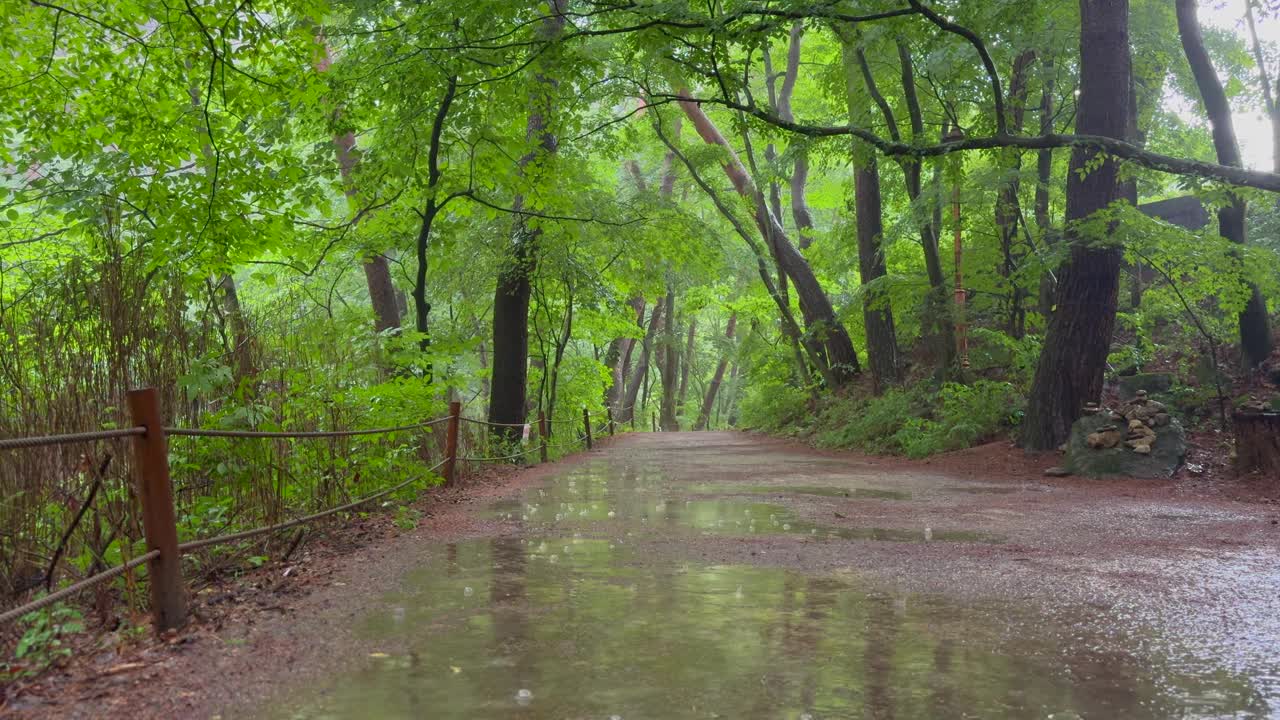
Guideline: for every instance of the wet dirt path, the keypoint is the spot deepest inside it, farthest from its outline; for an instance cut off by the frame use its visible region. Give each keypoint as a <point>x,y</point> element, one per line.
<point>723,576</point>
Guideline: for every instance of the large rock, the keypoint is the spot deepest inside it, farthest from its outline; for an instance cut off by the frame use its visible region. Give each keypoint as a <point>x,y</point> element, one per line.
<point>1095,460</point>
<point>1153,383</point>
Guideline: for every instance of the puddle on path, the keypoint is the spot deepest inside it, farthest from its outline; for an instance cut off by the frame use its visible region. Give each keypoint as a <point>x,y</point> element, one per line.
<point>858,493</point>
<point>641,501</point>
<point>569,621</point>
<point>573,628</point>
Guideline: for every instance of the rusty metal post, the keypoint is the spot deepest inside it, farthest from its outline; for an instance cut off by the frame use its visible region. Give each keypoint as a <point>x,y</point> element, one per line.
<point>451,443</point>
<point>159,519</point>
<point>586,423</point>
<point>608,412</point>
<point>542,434</point>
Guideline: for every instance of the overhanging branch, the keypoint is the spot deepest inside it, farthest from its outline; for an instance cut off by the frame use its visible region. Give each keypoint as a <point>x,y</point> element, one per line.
<point>1239,177</point>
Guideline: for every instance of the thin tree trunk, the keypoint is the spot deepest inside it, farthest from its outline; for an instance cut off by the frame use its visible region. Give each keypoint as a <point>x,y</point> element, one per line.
<point>422,308</point>
<point>1071,366</point>
<point>511,298</point>
<point>936,323</point>
<point>1008,212</point>
<point>670,367</point>
<point>1044,175</point>
<point>882,338</point>
<point>627,411</point>
<point>622,371</point>
<point>1255,331</point>
<point>709,401</point>
<point>686,364</point>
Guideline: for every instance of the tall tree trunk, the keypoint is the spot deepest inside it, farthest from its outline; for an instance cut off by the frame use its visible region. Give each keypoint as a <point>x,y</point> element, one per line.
<point>882,338</point>
<point>422,308</point>
<point>1044,175</point>
<point>709,401</point>
<point>1007,210</point>
<point>1255,331</point>
<point>686,363</point>
<point>820,317</point>
<point>1071,366</point>
<point>670,367</point>
<point>628,409</point>
<point>511,299</point>
<point>936,325</point>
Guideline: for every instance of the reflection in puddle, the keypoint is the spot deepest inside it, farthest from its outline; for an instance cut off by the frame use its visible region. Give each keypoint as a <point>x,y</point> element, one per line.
<point>569,620</point>
<point>720,517</point>
<point>863,493</point>
<point>574,628</point>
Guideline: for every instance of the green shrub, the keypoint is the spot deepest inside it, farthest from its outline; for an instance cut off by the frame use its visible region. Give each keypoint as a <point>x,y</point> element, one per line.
<point>775,408</point>
<point>869,425</point>
<point>963,416</point>
<point>920,421</point>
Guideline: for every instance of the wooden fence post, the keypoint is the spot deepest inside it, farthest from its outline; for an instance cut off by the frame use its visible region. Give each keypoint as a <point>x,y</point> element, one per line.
<point>653,420</point>
<point>451,443</point>
<point>586,422</point>
<point>608,411</point>
<point>159,520</point>
<point>542,434</point>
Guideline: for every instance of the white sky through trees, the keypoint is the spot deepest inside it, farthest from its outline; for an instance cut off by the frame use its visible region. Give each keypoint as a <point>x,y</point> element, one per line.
<point>1253,129</point>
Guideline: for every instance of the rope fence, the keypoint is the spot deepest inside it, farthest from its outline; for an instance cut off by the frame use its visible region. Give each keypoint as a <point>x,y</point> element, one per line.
<point>72,438</point>
<point>76,588</point>
<point>156,503</point>
<point>200,432</point>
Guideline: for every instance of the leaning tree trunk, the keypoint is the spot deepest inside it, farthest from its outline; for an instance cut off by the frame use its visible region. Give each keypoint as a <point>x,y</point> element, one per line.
<point>377,270</point>
<point>820,317</point>
<point>622,370</point>
<point>709,401</point>
<point>1074,357</point>
<point>511,298</point>
<point>628,410</point>
<point>1255,332</point>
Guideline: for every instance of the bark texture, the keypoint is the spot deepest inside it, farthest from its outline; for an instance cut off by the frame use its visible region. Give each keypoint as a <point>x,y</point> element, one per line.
<point>1071,365</point>
<point>511,298</point>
